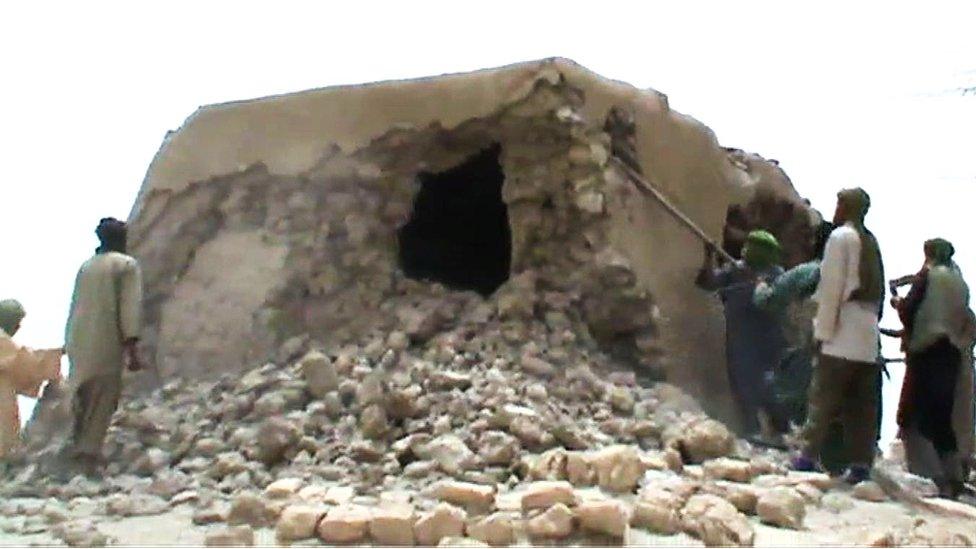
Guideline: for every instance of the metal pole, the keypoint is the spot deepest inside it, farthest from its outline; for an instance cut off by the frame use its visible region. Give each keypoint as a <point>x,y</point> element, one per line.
<point>645,186</point>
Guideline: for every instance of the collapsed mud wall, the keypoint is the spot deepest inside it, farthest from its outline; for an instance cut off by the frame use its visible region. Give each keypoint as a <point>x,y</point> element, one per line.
<point>265,220</point>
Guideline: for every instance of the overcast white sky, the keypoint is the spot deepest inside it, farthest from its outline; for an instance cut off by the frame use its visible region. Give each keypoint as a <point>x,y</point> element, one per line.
<point>841,93</point>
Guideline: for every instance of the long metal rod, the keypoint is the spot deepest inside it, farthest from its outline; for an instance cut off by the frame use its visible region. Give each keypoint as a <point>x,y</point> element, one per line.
<point>647,187</point>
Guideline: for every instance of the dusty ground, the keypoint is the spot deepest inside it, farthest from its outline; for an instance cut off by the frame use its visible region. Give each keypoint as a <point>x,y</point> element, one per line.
<point>475,421</point>
<point>863,522</point>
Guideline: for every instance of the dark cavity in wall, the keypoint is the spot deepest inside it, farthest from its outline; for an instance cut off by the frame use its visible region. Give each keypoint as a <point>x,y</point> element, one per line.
<point>458,233</point>
<point>788,222</point>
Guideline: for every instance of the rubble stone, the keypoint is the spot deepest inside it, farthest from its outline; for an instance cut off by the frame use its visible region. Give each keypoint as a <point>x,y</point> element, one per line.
<point>231,536</point>
<point>446,380</point>
<point>743,496</point>
<point>530,432</point>
<point>820,481</point>
<point>700,440</point>
<point>283,488</point>
<point>618,468</point>
<point>622,400</point>
<point>837,503</point>
<point>735,470</point>
<point>187,496</point>
<point>716,522</point>
<point>338,495</point>
<point>319,374</point>
<point>275,436</point>
<point>443,522</point>
<point>537,391</point>
<point>545,494</point>
<point>658,511</point>
<point>609,517</point>
<point>579,471</point>
<point>344,524</point>
<point>783,507</point>
<point>332,405</point>
<point>298,522</point>
<point>495,530</point>
<point>456,541</point>
<point>550,465</point>
<point>498,448</point>
<point>134,505</point>
<point>211,514</point>
<point>154,460</point>
<point>537,366</point>
<point>393,525</point>
<point>249,509</point>
<point>810,493</point>
<point>373,422</point>
<point>370,391</point>
<point>451,454</point>
<point>877,537</point>
<point>869,491</point>
<point>80,534</point>
<point>557,522</point>
<point>419,469</point>
<point>956,509</point>
<point>228,463</point>
<point>913,484</point>
<point>475,497</point>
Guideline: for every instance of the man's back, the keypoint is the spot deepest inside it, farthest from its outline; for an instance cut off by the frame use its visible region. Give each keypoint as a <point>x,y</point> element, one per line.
<point>105,310</point>
<point>944,310</point>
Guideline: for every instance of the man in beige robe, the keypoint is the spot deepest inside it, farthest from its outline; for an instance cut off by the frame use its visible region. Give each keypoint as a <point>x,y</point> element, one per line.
<point>22,371</point>
<point>101,337</point>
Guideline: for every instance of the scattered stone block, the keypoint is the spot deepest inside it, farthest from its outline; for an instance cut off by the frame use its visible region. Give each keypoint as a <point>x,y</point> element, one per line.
<point>443,522</point>
<point>557,522</point>
<point>783,507</point>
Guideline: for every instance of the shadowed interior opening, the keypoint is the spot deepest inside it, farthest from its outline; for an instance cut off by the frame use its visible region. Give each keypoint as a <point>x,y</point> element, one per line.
<point>458,234</point>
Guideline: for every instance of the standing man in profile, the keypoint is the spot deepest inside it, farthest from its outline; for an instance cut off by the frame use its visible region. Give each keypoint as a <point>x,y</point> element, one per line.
<point>844,385</point>
<point>101,338</point>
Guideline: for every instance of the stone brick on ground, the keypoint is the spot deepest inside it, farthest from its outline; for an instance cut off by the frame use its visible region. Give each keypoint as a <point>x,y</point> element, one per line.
<point>443,522</point>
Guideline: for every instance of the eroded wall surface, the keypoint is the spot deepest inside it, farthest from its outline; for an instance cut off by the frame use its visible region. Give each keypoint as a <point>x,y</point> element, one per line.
<point>278,217</point>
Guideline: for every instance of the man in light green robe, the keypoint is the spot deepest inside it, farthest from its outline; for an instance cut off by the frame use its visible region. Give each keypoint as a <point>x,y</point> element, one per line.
<point>937,308</point>
<point>101,337</point>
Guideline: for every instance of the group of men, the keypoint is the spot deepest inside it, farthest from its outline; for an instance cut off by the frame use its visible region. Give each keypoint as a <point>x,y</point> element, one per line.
<point>803,349</point>
<point>100,341</point>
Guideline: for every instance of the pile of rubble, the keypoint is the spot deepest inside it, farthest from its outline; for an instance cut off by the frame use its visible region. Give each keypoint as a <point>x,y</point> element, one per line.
<point>477,421</point>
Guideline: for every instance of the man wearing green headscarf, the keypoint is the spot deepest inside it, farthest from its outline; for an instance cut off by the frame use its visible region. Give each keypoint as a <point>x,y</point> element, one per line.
<point>935,413</point>
<point>844,385</point>
<point>22,371</point>
<point>754,341</point>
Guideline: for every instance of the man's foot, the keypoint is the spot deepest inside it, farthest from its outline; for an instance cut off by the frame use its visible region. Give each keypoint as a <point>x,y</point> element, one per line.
<point>89,465</point>
<point>857,474</point>
<point>950,489</point>
<point>803,463</point>
<point>768,441</point>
